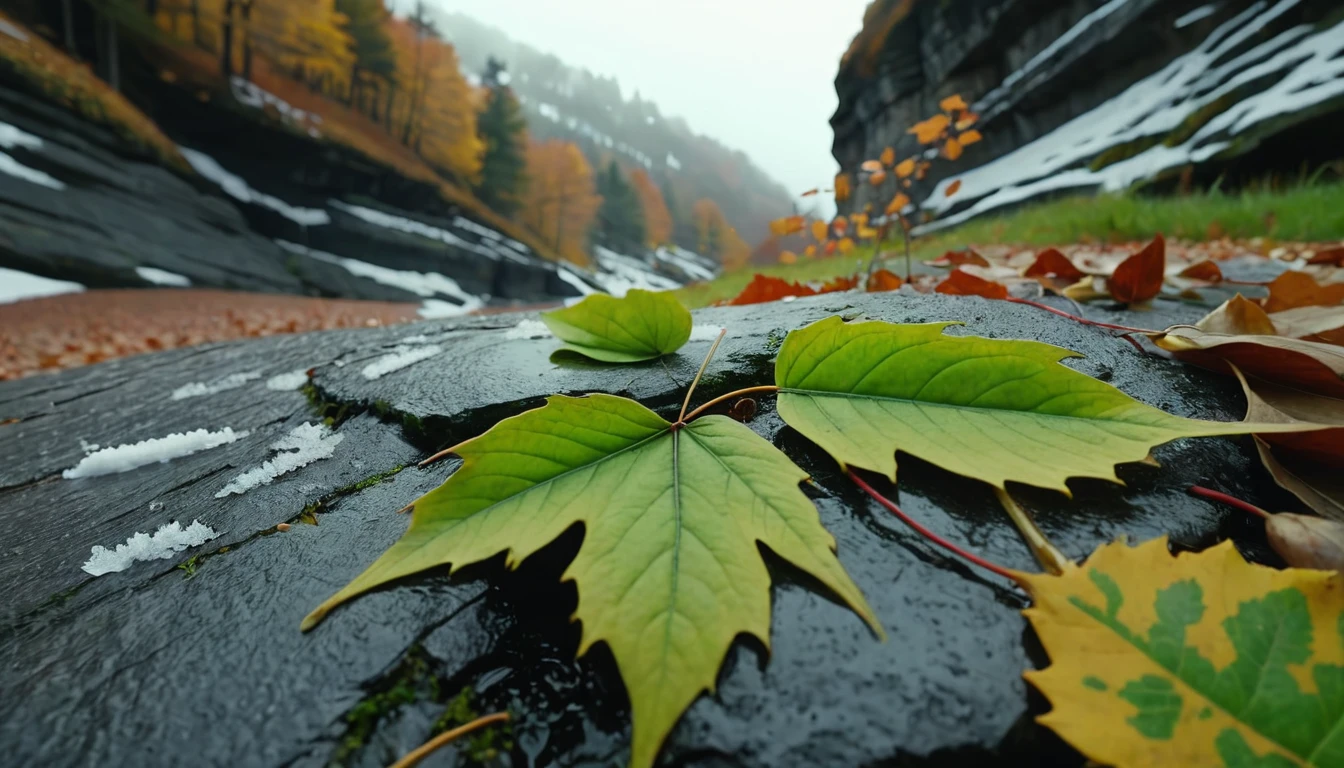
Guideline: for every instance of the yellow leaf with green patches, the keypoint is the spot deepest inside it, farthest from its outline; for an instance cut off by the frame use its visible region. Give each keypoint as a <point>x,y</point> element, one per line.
<point>989,409</point>
<point>1192,660</point>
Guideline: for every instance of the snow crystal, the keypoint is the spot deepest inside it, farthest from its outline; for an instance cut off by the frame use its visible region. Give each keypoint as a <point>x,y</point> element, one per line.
<point>1198,14</point>
<point>201,389</point>
<point>419,283</point>
<point>239,189</point>
<point>287,382</point>
<point>163,277</point>
<point>166,542</point>
<point>304,445</point>
<point>705,332</point>
<point>528,329</point>
<point>413,227</point>
<point>17,286</point>
<point>123,458</point>
<point>401,356</point>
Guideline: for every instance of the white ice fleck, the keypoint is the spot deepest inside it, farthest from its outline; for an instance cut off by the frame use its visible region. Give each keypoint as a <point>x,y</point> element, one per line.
<point>287,382</point>
<point>1198,14</point>
<point>163,277</point>
<point>11,137</point>
<point>705,332</point>
<point>419,338</point>
<point>201,389</point>
<point>167,541</point>
<point>400,357</point>
<point>420,283</point>
<point>239,189</point>
<point>123,458</point>
<point>528,329</point>
<point>302,446</point>
<point>413,227</point>
<point>435,309</point>
<point>13,31</point>
<point>9,165</point>
<point>17,286</point>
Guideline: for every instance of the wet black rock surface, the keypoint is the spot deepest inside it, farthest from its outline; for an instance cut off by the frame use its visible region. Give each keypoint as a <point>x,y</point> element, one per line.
<point>159,664</point>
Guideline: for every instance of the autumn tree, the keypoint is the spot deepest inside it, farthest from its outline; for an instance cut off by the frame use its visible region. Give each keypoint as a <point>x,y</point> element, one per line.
<point>716,238</point>
<point>307,39</point>
<point>657,217</point>
<point>561,201</point>
<point>438,119</point>
<point>503,133</point>
<point>620,220</point>
<point>375,60</point>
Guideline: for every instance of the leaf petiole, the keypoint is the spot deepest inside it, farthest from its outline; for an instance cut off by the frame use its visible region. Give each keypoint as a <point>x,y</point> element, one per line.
<point>1047,554</point>
<point>414,757</point>
<point>1076,318</point>
<point>731,395</point>
<point>1233,501</point>
<point>930,535</point>
<point>703,365</point>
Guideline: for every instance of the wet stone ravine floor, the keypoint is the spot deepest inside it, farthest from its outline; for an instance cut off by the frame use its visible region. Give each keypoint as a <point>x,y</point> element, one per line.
<point>199,658</point>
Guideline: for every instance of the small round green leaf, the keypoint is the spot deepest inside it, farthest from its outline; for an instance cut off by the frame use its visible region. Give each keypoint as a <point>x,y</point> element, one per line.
<point>641,326</point>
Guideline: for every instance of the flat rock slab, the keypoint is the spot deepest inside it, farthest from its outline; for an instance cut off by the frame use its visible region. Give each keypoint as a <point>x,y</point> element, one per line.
<point>158,662</point>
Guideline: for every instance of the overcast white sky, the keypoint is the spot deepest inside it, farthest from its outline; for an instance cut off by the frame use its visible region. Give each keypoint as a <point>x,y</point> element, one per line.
<point>755,74</point>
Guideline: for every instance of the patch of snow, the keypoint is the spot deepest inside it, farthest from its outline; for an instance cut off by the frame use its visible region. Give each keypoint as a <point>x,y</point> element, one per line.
<point>504,78</point>
<point>528,329</point>
<point>549,112</point>
<point>17,286</point>
<point>619,273</point>
<point>472,226</point>
<point>687,261</point>
<point>12,167</point>
<point>1198,14</point>
<point>12,136</point>
<point>569,275</point>
<point>201,389</point>
<point>1308,69</point>
<point>425,284</point>
<point>160,450</point>
<point>413,227</point>
<point>419,338</point>
<point>288,382</point>
<point>304,445</point>
<point>170,539</point>
<point>401,356</point>
<point>673,162</point>
<point>239,189</point>
<point>163,277</point>
<point>13,31</point>
<point>705,332</point>
<point>252,95</point>
<point>437,309</point>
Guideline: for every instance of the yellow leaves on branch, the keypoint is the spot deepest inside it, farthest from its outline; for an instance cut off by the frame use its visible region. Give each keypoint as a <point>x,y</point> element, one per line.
<point>888,157</point>
<point>931,130</point>
<point>657,218</point>
<point>905,168</point>
<point>953,104</point>
<point>952,149</point>
<point>789,225</point>
<point>561,200</point>
<point>1194,659</point>
<point>820,230</point>
<point>897,204</point>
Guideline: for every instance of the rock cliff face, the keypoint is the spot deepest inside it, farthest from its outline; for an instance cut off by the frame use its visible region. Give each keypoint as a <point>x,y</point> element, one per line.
<point>1096,94</point>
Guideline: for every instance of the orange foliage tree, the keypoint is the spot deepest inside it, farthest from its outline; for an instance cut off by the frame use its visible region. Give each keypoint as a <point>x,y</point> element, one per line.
<point>657,217</point>
<point>437,114</point>
<point>561,201</point>
<point>717,238</point>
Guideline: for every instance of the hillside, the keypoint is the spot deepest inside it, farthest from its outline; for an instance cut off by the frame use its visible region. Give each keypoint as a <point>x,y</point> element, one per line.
<point>564,102</point>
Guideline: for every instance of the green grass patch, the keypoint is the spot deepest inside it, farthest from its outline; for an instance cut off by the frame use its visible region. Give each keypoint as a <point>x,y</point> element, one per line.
<point>1312,213</point>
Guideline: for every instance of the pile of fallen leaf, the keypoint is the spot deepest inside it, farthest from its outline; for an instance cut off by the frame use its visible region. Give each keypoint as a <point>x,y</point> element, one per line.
<point>82,328</point>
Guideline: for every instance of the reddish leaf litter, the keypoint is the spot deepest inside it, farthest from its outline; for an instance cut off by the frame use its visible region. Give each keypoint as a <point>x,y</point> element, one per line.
<point>67,331</point>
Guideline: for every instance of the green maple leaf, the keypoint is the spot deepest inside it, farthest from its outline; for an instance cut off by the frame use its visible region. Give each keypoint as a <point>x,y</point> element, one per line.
<point>669,572</point>
<point>641,326</point>
<point>989,409</point>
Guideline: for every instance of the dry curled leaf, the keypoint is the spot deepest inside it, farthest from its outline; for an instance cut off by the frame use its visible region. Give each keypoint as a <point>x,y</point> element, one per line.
<point>1321,324</point>
<point>952,188</point>
<point>1051,263</point>
<point>1307,542</point>
<point>1238,316</point>
<point>1320,489</point>
<point>953,103</point>
<point>1139,277</point>
<point>1205,270</point>
<point>883,280</point>
<point>1298,289</point>
<point>963,283</point>
<point>1305,365</point>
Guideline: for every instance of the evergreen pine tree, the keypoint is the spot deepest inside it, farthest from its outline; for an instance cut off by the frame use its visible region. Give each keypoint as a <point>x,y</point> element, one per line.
<point>503,131</point>
<point>621,218</point>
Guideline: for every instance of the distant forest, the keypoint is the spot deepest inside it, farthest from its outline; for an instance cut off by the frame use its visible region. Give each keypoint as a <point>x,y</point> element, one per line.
<point>574,105</point>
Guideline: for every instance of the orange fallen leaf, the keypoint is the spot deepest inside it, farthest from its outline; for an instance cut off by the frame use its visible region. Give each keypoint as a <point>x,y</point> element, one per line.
<point>1304,365</point>
<point>884,280</point>
<point>763,288</point>
<point>953,103</point>
<point>871,166</point>
<point>931,130</point>
<point>957,258</point>
<point>839,284</point>
<point>846,246</point>
<point>905,167</point>
<point>786,226</point>
<point>1238,316</point>
<point>1205,270</point>
<point>1298,289</point>
<point>788,257</point>
<point>810,252</point>
<point>952,188</point>
<point>962,283</point>
<point>1052,263</point>
<point>968,138</point>
<point>820,230</point>
<point>952,149</point>
<point>1333,256</point>
<point>888,156</point>
<point>877,178</point>
<point>966,120</point>
<point>1139,277</point>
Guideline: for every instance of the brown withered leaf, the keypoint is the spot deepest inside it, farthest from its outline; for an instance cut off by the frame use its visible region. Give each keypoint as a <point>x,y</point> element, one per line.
<point>1205,270</point>
<point>1333,256</point>
<point>1270,403</point>
<point>1307,542</point>
<point>957,258</point>
<point>1139,277</point>
<point>963,283</point>
<point>1305,365</point>
<point>1054,270</point>
<point>1298,289</point>
<point>763,288</point>
<point>883,280</point>
<point>1318,488</point>
<point>1322,324</point>
<point>1238,316</point>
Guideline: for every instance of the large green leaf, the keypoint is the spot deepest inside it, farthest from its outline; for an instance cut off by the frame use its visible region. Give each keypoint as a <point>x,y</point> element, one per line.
<point>669,571</point>
<point>641,326</point>
<point>989,409</point>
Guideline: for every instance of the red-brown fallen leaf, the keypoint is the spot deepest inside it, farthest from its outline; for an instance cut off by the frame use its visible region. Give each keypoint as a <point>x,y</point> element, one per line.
<point>952,188</point>
<point>763,288</point>
<point>811,192</point>
<point>962,283</point>
<point>1052,263</point>
<point>1298,289</point>
<point>829,250</point>
<point>839,284</point>
<point>1304,365</point>
<point>840,226</point>
<point>957,258</point>
<point>1139,277</point>
<point>1205,270</point>
<point>884,280</point>
<point>1333,256</point>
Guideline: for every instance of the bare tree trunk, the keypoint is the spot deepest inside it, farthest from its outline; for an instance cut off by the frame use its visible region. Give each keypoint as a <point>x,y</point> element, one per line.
<point>68,20</point>
<point>226,40</point>
<point>247,39</point>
